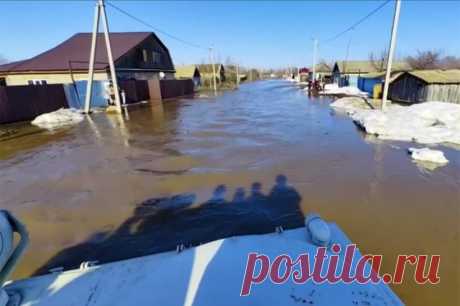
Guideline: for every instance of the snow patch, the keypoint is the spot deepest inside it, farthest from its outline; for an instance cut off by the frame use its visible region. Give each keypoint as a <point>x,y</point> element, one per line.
<point>346,91</point>
<point>56,119</point>
<point>332,86</point>
<point>427,123</point>
<point>427,159</point>
<point>350,104</point>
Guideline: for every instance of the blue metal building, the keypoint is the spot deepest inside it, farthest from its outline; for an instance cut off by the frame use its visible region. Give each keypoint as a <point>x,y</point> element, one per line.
<point>367,82</point>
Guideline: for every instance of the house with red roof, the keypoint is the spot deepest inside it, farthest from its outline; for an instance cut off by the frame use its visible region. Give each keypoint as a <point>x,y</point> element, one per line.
<point>137,55</point>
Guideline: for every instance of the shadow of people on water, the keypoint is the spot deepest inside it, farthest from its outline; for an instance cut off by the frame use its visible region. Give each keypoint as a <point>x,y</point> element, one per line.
<point>165,224</point>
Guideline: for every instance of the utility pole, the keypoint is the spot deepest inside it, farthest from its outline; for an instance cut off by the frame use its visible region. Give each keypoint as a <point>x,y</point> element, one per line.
<point>108,46</point>
<point>100,13</point>
<point>394,32</point>
<point>237,76</point>
<point>315,50</point>
<point>348,50</point>
<point>89,84</point>
<point>211,58</point>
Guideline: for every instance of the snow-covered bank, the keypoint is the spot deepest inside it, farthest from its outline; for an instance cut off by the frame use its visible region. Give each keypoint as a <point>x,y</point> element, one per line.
<point>428,155</point>
<point>333,89</point>
<point>428,123</point>
<point>350,104</point>
<point>56,119</point>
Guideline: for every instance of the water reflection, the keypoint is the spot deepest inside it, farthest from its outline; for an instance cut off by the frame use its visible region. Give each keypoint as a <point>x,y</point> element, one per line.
<point>168,223</point>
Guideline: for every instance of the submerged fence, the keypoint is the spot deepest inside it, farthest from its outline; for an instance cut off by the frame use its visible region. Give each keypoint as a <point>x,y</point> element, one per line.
<point>176,88</point>
<point>135,90</point>
<point>21,103</point>
<point>25,102</point>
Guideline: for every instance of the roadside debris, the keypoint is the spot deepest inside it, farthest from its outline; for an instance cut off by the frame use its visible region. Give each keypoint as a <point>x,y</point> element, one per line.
<point>428,155</point>
<point>59,118</point>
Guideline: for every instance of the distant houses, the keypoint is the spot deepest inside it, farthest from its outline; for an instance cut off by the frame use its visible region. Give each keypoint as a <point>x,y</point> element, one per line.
<point>207,75</point>
<point>323,72</point>
<point>304,74</point>
<point>189,72</point>
<point>426,85</point>
<point>406,85</point>
<point>346,73</point>
<point>137,55</point>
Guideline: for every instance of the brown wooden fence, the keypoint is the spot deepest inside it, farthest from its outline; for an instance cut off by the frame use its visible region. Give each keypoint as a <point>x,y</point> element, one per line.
<point>140,90</point>
<point>176,88</point>
<point>135,90</point>
<point>21,103</point>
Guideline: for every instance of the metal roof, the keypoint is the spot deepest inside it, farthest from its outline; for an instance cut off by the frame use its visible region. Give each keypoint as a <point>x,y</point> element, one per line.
<point>322,68</point>
<point>366,66</point>
<point>76,50</point>
<point>438,76</point>
<point>187,71</point>
<point>381,75</point>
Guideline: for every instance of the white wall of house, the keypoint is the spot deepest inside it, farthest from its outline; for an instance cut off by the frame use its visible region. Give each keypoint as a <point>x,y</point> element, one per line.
<point>67,78</point>
<point>49,78</point>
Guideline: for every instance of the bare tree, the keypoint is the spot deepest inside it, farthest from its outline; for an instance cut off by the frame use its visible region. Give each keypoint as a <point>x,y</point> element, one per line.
<point>450,62</point>
<point>425,60</point>
<point>379,61</point>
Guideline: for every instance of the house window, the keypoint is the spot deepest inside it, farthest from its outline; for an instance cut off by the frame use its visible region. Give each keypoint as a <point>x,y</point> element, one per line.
<point>156,57</point>
<point>145,55</point>
<point>36,82</point>
<point>2,82</point>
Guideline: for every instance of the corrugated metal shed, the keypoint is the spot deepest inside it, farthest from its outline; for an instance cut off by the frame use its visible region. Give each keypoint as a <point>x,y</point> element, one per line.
<point>366,82</point>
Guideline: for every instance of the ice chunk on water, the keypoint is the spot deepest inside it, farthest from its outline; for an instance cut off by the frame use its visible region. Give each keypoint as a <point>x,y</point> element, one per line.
<point>428,123</point>
<point>428,155</point>
<point>56,119</point>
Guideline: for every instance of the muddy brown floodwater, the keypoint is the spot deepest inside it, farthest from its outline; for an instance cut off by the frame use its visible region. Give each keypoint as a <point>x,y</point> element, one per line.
<point>77,188</point>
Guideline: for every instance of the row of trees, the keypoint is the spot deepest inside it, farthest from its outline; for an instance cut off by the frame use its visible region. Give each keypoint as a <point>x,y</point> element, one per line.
<point>431,59</point>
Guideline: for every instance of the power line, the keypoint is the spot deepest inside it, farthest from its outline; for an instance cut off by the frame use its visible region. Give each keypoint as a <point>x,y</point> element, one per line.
<point>352,27</point>
<point>155,28</point>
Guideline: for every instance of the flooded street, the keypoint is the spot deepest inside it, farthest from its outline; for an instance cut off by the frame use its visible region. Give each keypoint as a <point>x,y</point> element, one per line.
<point>83,184</point>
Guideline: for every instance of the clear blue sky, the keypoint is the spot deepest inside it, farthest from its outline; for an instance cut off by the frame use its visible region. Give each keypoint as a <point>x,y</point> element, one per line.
<point>255,33</point>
